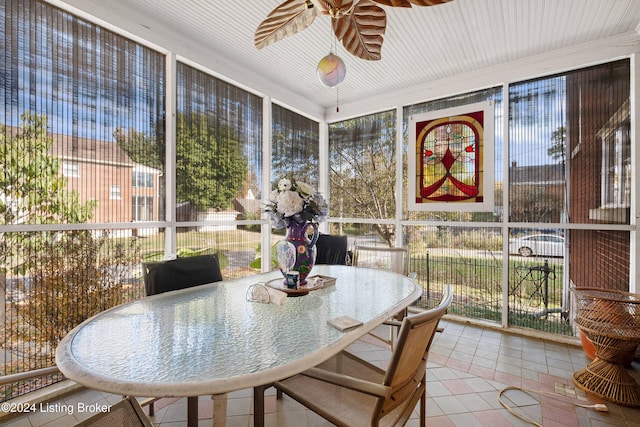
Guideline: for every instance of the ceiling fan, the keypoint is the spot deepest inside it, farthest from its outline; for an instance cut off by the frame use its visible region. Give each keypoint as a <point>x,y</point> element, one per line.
<point>358,24</point>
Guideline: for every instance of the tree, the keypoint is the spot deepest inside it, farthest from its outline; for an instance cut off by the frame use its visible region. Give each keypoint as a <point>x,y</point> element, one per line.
<point>363,170</point>
<point>144,149</point>
<point>558,147</point>
<point>32,190</point>
<point>295,149</point>
<point>535,203</point>
<point>73,277</point>
<point>211,168</point>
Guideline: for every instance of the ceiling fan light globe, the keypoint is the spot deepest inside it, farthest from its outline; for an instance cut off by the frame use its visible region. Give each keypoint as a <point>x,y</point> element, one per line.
<point>331,70</point>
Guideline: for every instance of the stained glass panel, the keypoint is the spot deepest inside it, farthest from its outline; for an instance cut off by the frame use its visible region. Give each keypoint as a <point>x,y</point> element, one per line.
<point>448,168</point>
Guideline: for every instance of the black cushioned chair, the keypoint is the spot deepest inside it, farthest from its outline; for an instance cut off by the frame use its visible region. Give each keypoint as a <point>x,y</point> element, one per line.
<point>180,273</point>
<point>332,250</point>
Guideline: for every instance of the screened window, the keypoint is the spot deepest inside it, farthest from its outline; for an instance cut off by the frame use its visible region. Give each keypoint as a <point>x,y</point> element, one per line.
<point>142,179</point>
<point>219,143</point>
<point>76,101</point>
<point>362,166</point>
<point>537,138</point>
<point>295,147</point>
<point>142,208</point>
<point>598,153</point>
<point>85,95</point>
<point>70,169</point>
<point>599,144</point>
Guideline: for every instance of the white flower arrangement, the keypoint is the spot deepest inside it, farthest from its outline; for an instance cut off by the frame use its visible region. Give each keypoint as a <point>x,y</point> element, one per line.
<point>295,201</point>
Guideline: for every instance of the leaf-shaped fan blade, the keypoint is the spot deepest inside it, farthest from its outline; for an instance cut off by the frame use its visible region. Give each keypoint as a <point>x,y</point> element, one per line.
<point>407,3</point>
<point>361,32</point>
<point>289,18</point>
<point>341,7</point>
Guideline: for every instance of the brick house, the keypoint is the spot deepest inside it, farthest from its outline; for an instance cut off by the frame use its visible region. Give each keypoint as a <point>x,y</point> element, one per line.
<point>102,171</point>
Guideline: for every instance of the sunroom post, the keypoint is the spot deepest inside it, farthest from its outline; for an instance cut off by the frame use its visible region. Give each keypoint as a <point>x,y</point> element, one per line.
<point>265,235</point>
<point>634,250</point>
<point>323,164</point>
<point>505,206</point>
<point>170,245</point>
<point>399,181</point>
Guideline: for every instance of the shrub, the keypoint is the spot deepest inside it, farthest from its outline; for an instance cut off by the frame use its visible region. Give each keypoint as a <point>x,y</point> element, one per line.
<point>74,275</point>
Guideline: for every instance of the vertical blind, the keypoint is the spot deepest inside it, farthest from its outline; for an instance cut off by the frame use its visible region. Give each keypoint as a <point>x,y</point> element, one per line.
<point>362,166</point>
<point>82,141</point>
<point>219,142</point>
<point>295,146</point>
<point>77,89</point>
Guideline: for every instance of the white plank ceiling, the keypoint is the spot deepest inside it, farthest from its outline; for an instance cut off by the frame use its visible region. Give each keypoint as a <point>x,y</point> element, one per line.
<point>421,44</point>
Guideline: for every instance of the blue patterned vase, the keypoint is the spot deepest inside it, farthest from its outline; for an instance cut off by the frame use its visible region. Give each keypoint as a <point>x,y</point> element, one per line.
<point>303,237</point>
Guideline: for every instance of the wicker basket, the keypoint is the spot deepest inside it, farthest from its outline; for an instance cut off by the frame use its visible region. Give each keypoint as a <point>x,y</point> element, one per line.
<point>608,312</point>
<point>611,320</point>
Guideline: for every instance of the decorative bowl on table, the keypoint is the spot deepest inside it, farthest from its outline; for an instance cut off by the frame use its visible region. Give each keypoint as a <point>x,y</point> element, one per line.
<point>313,283</point>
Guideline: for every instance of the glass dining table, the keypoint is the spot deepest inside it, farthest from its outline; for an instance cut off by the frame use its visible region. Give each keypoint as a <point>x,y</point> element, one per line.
<point>212,339</point>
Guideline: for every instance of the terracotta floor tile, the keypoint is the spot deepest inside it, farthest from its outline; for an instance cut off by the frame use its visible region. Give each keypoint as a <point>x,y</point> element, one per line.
<point>493,418</point>
<point>508,379</point>
<point>481,371</point>
<point>457,386</point>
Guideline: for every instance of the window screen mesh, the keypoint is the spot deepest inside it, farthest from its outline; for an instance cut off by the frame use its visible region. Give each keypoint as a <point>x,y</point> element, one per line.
<point>537,138</point>
<point>599,157</point>
<point>295,147</point>
<point>81,108</point>
<point>218,149</point>
<point>77,90</point>
<point>362,166</point>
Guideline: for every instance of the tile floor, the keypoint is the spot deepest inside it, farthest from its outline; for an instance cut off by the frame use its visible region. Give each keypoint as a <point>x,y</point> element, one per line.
<point>468,367</point>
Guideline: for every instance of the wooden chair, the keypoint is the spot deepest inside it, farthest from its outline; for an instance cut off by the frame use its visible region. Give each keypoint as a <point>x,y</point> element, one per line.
<point>332,250</point>
<point>126,413</point>
<point>384,258</point>
<point>180,273</point>
<point>352,392</point>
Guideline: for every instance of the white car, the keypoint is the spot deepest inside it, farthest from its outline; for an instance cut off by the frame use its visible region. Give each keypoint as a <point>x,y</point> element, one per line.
<point>538,245</point>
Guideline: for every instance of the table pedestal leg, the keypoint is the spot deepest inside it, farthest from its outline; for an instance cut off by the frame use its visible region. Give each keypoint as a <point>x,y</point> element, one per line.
<point>606,376</point>
<point>219,410</point>
<point>192,411</point>
<point>258,406</point>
